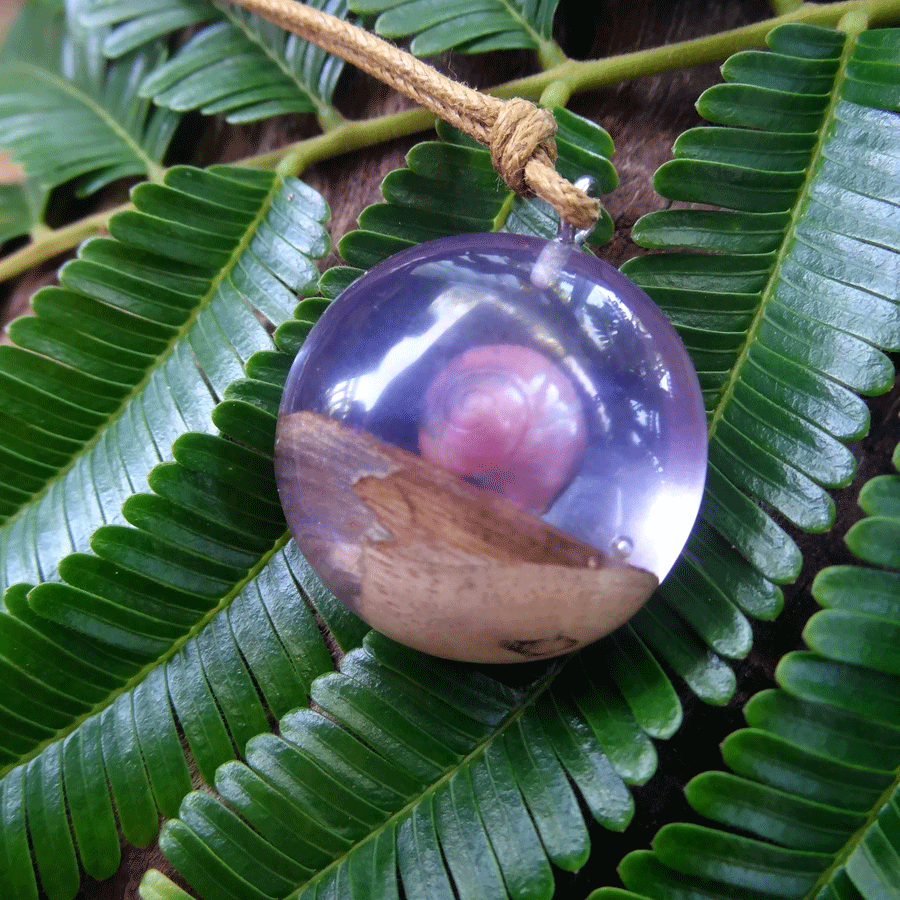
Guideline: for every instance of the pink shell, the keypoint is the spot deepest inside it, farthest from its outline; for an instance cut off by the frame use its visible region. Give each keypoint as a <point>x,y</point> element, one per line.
<point>509,419</point>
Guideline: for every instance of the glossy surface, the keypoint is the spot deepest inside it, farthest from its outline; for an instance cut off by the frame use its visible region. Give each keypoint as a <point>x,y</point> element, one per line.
<point>530,368</point>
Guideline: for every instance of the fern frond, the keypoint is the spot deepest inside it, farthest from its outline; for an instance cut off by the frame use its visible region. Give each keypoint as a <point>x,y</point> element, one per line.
<point>121,760</point>
<point>137,22</point>
<point>198,620</point>
<point>65,114</point>
<point>144,334</point>
<point>810,805</point>
<point>190,272</point>
<point>21,208</point>
<point>249,69</point>
<point>421,773</point>
<point>470,26</point>
<point>789,297</point>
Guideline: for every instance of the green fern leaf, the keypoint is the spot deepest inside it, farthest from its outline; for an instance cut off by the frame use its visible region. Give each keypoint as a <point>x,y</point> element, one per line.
<point>795,276</point>
<point>169,617</point>
<point>135,23</point>
<point>466,776</point>
<point>813,790</point>
<point>66,115</point>
<point>138,600</point>
<point>249,69</point>
<point>471,26</point>
<point>142,337</point>
<point>21,208</point>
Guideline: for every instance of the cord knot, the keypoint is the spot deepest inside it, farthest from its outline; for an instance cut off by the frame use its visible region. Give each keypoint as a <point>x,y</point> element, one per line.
<point>522,132</point>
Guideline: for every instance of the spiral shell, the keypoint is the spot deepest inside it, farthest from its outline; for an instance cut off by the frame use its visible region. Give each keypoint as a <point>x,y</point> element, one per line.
<point>507,418</point>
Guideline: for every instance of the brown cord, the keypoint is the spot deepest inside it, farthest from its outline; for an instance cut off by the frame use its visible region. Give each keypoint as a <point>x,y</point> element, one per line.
<point>518,133</point>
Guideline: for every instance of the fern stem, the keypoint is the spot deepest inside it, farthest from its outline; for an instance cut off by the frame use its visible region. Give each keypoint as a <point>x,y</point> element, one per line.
<point>585,75</point>
<point>329,118</point>
<point>780,7</point>
<point>52,242</point>
<point>156,886</point>
<point>556,93</point>
<point>550,55</point>
<point>344,138</point>
<point>156,173</point>
<point>503,214</point>
<point>854,23</point>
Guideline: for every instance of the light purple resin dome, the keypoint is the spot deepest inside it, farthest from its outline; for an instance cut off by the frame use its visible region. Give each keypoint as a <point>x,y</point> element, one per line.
<point>528,368</point>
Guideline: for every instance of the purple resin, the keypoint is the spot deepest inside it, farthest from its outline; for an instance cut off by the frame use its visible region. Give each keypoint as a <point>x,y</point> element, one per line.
<point>631,488</point>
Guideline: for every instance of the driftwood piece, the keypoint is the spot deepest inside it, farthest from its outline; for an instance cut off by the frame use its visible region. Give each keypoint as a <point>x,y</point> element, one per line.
<point>437,563</point>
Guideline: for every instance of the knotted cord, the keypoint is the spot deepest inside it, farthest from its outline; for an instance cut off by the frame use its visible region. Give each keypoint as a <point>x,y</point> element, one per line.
<point>518,133</point>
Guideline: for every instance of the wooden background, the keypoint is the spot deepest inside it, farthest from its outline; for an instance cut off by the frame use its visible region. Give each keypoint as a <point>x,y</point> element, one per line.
<point>644,117</point>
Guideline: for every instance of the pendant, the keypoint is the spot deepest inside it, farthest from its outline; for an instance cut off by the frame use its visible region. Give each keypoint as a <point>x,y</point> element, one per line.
<point>492,447</point>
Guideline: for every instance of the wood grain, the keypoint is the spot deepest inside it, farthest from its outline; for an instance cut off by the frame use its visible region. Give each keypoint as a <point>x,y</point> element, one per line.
<point>437,563</point>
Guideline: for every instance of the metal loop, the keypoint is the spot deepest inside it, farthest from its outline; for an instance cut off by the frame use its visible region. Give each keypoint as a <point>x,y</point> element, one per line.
<point>566,231</point>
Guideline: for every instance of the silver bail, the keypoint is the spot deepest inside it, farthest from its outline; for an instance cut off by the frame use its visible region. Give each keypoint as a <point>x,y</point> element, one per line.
<point>566,231</point>
<point>552,258</point>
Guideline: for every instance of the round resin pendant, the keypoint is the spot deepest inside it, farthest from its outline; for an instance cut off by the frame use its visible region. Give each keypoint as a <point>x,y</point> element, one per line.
<point>492,447</point>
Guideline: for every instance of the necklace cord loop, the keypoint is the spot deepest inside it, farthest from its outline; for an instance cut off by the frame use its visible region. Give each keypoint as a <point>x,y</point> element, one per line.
<point>518,133</point>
